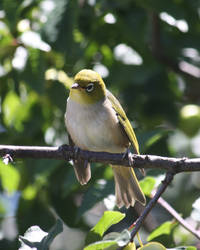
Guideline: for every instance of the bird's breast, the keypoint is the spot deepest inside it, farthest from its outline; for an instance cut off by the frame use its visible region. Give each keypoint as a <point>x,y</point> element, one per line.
<point>95,127</point>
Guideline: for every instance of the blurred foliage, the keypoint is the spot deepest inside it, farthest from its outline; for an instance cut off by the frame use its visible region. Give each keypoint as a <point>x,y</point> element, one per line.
<point>149,55</point>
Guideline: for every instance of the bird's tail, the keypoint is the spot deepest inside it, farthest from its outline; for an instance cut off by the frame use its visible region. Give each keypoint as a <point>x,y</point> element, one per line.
<point>127,188</point>
<point>82,171</point>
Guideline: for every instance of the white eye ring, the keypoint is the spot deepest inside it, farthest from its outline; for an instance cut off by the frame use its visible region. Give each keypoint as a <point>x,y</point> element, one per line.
<point>90,87</point>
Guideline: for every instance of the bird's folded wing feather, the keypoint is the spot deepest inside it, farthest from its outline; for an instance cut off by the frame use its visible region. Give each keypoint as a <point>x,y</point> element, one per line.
<point>123,120</point>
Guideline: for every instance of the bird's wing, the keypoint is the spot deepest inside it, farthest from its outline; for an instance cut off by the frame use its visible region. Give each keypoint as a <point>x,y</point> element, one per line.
<point>123,120</point>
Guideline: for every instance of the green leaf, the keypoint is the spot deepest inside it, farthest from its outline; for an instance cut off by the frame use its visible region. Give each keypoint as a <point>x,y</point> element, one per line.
<point>36,238</point>
<point>164,229</point>
<point>10,177</point>
<point>100,245</point>
<point>2,209</point>
<point>108,219</point>
<point>130,246</point>
<point>146,140</point>
<point>111,241</point>
<point>15,111</point>
<point>152,246</point>
<point>29,192</point>
<point>107,54</point>
<point>121,238</point>
<point>11,107</point>
<point>147,185</point>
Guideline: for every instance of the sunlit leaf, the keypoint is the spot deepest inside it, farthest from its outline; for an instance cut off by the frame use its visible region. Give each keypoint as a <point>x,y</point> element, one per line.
<point>151,137</point>
<point>121,238</point>
<point>2,209</point>
<point>147,185</point>
<point>111,241</point>
<point>107,53</point>
<point>101,245</point>
<point>29,192</point>
<point>130,246</point>
<point>15,111</point>
<point>108,219</point>
<point>152,246</point>
<point>10,177</point>
<point>164,229</point>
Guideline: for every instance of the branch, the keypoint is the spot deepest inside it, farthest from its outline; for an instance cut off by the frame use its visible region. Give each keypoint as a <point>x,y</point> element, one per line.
<point>67,153</point>
<point>158,199</point>
<point>168,179</point>
<point>183,222</point>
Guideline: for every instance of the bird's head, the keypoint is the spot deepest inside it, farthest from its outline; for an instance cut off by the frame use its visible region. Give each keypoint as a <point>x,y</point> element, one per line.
<point>88,87</point>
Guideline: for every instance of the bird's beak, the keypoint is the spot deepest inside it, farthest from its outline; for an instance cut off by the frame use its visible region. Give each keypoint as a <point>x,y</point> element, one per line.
<point>75,86</point>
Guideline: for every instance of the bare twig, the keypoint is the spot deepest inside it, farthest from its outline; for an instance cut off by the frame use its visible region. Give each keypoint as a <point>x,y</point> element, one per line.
<point>168,178</point>
<point>66,152</point>
<point>183,222</point>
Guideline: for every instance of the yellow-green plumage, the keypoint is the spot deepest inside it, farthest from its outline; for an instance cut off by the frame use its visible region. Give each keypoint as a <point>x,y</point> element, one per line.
<point>96,121</point>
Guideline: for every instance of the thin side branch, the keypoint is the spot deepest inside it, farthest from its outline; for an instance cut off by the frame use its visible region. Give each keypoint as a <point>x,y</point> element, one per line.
<point>177,216</point>
<point>67,153</point>
<point>168,179</point>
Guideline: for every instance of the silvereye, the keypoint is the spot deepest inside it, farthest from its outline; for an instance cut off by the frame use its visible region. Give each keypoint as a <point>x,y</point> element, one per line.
<point>96,121</point>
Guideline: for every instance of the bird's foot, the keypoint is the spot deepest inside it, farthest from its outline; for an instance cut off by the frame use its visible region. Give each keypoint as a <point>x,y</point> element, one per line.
<point>129,155</point>
<point>131,160</point>
<point>76,156</point>
<point>76,152</point>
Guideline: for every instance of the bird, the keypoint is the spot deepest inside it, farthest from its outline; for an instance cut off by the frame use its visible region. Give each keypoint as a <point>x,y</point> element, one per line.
<point>96,121</point>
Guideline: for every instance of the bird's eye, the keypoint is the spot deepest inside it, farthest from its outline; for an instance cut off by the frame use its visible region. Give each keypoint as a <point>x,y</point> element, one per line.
<point>90,87</point>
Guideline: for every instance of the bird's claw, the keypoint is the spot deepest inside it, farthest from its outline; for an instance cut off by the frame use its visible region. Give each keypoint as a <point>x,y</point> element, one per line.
<point>131,160</point>
<point>76,152</point>
<point>128,154</point>
<point>76,156</point>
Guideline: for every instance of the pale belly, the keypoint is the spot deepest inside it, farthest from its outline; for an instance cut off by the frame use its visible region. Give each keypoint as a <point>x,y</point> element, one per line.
<point>95,127</point>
